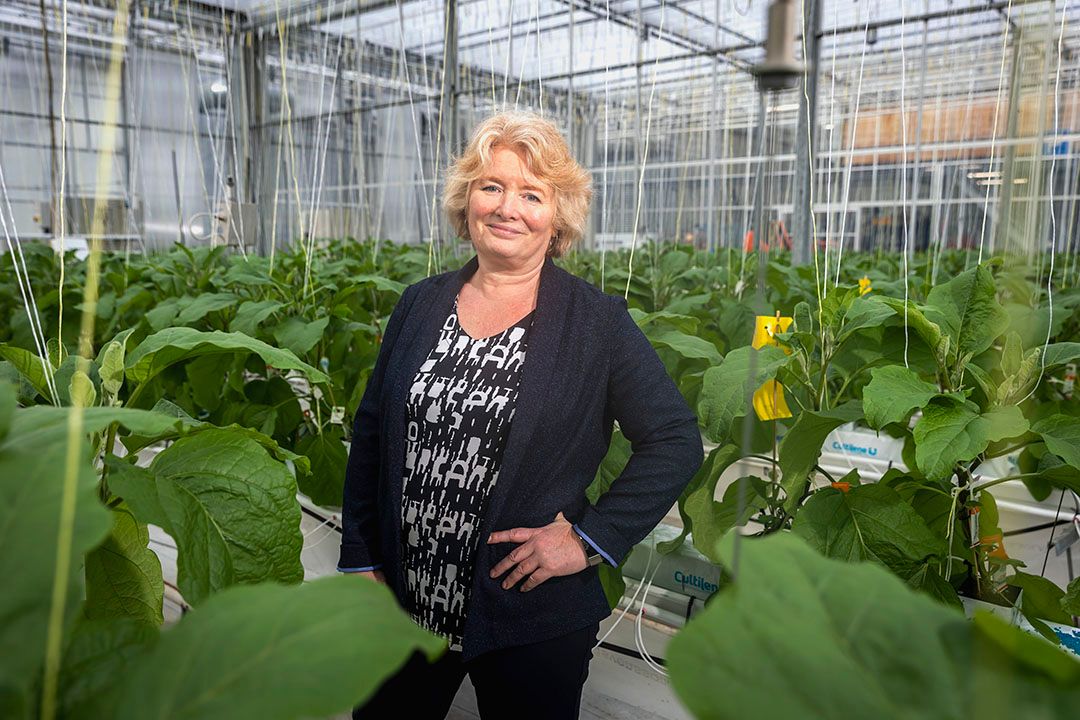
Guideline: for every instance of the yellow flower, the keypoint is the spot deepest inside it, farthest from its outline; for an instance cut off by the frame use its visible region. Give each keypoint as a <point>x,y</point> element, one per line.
<point>769,402</point>
<point>864,285</point>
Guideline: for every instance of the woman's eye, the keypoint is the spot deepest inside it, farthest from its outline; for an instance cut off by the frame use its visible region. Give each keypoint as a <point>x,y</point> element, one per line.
<point>532,198</point>
<point>490,188</point>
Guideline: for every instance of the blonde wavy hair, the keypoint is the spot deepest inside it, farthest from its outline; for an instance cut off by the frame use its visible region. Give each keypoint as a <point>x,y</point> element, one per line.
<point>546,155</point>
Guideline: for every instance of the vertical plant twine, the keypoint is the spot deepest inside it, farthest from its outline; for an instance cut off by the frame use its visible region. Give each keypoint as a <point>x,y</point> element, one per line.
<point>75,445</point>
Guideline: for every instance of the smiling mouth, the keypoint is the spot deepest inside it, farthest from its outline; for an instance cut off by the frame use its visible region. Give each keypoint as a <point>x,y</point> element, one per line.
<point>504,229</point>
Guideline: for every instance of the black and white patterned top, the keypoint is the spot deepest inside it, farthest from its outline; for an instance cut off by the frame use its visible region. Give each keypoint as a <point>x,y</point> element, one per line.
<point>458,414</point>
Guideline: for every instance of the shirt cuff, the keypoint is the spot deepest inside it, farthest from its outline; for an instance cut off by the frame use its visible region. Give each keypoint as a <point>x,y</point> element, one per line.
<point>369,568</point>
<point>595,547</point>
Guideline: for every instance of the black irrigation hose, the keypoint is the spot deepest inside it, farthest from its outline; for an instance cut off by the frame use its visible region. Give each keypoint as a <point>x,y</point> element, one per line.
<point>1036,528</point>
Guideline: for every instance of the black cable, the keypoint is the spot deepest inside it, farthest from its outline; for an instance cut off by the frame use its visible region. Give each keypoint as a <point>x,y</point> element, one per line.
<point>1051,543</point>
<point>631,653</point>
<point>1036,528</point>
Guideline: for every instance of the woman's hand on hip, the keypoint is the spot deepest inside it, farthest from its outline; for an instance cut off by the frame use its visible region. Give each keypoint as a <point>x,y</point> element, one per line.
<point>544,552</point>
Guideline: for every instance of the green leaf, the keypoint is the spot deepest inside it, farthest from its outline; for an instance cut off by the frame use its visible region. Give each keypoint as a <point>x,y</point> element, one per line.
<point>183,424</point>
<point>326,482</point>
<point>81,390</point>
<point>892,393</point>
<point>174,345</point>
<point>379,282</point>
<point>1070,603</point>
<point>966,308</point>
<point>798,635</point>
<point>611,466</point>
<point>865,312</point>
<point>123,576</point>
<point>230,507</point>
<point>801,447</point>
<point>726,388</point>
<point>99,652</point>
<point>112,367</point>
<point>689,346</point>
<point>274,652</point>
<point>951,431</point>
<point>1041,600</point>
<point>29,366</point>
<point>710,520</point>
<point>1061,434</point>
<point>251,313</point>
<point>205,304</point>
<point>869,522</point>
<point>930,332</point>
<point>300,336</point>
<point>8,403</point>
<point>1062,353</point>
<point>611,579</point>
<point>927,580</point>
<point>33,467</point>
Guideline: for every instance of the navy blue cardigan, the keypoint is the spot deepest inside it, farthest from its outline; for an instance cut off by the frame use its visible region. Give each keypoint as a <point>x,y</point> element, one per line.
<point>587,364</point>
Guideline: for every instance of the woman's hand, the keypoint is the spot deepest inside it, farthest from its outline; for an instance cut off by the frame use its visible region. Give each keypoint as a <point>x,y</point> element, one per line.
<point>545,552</point>
<point>376,575</point>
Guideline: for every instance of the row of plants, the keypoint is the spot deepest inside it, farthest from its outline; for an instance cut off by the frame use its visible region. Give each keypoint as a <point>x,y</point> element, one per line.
<point>248,372</point>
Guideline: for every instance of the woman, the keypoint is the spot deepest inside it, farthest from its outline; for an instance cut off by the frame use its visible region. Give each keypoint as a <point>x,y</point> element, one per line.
<point>484,420</point>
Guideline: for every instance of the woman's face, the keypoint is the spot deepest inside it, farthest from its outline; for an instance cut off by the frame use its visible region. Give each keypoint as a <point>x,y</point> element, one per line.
<point>511,211</point>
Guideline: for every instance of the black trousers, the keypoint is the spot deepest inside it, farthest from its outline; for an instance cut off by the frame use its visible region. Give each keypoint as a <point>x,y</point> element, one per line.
<point>542,680</point>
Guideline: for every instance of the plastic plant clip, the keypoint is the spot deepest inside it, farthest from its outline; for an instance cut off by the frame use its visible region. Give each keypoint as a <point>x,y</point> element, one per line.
<point>769,401</point>
<point>864,285</point>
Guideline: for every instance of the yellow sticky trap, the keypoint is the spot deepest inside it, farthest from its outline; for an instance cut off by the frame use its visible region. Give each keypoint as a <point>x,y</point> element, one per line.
<point>767,328</point>
<point>864,285</point>
<point>769,402</point>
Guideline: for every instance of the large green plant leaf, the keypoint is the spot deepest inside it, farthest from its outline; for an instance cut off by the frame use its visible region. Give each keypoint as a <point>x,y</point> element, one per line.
<point>966,308</point>
<point>251,313</point>
<point>930,332</point>
<point>864,312</point>
<point>205,304</point>
<point>709,519</point>
<point>1062,353</point>
<point>29,366</point>
<point>951,431</point>
<point>123,576</point>
<point>174,345</point>
<point>798,635</point>
<point>229,505</point>
<point>689,346</point>
<point>726,387</point>
<point>33,469</point>
<point>300,336</point>
<point>268,652</point>
<point>801,447</point>
<point>326,451</point>
<point>1071,602</point>
<point>869,522</point>
<point>893,392</point>
<point>97,653</point>
<point>1061,433</point>
<point>1040,600</point>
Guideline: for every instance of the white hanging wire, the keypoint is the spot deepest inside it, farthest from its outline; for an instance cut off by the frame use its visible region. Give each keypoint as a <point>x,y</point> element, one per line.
<point>230,119</point>
<point>605,200</point>
<point>319,159</point>
<point>509,52</point>
<point>851,150</point>
<point>22,277</point>
<point>1053,215</point>
<point>644,157</point>
<point>903,178</point>
<point>994,131</point>
<point>218,157</point>
<point>60,222</point>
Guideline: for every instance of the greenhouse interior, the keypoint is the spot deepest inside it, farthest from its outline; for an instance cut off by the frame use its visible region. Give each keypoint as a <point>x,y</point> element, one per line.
<point>774,326</point>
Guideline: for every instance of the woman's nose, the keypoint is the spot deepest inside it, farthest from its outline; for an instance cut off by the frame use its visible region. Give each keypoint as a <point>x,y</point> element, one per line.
<point>508,206</point>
